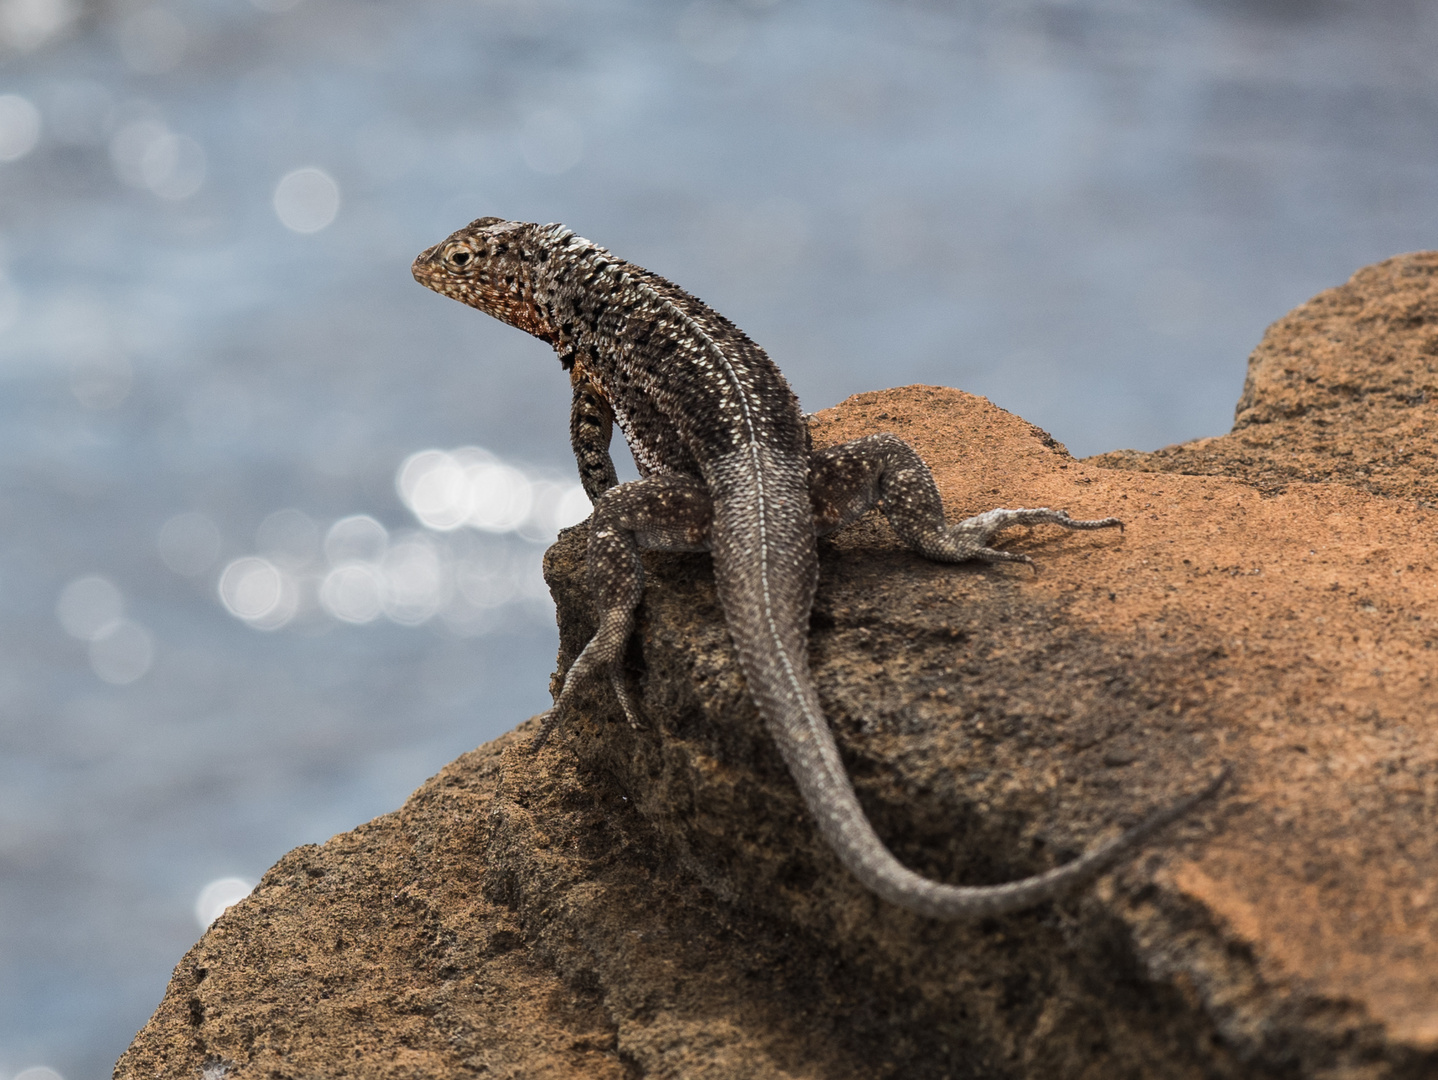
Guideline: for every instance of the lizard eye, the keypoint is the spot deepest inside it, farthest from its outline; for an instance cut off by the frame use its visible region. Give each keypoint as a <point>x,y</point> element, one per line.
<point>460,257</point>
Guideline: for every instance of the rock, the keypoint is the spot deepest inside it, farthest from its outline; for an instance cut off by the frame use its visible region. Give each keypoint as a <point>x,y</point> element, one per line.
<point>1340,389</point>
<point>655,903</point>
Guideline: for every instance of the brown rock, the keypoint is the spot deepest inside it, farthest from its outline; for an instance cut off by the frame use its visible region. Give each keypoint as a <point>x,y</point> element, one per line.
<point>655,903</point>
<point>1340,390</point>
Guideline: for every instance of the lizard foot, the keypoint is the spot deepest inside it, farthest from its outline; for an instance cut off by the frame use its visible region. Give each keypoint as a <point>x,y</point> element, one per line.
<point>603,653</point>
<point>548,721</point>
<point>969,539</point>
<point>553,717</point>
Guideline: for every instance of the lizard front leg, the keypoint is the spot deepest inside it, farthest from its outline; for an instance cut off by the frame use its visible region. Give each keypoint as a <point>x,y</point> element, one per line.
<point>663,512</point>
<point>883,470</point>
<point>591,426</point>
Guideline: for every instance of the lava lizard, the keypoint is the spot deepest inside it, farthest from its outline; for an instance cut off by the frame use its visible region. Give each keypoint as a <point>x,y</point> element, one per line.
<point>726,466</point>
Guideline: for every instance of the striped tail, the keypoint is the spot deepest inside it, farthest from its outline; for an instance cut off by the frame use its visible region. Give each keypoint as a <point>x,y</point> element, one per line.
<point>766,570</point>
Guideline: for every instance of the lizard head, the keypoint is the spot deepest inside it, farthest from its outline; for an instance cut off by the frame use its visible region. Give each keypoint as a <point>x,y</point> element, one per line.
<point>497,266</point>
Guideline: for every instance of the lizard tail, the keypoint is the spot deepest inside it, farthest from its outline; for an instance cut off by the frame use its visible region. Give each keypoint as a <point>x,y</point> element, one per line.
<point>809,749</point>
<point>766,570</point>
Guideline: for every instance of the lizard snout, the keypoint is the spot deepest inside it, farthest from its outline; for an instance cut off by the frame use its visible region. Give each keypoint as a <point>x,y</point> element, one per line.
<point>422,267</point>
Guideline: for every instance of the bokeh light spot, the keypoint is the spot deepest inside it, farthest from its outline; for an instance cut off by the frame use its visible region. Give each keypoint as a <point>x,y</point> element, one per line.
<point>130,145</point>
<point>174,167</point>
<point>554,507</point>
<point>502,496</point>
<point>89,607</point>
<point>487,582</point>
<point>358,538</point>
<point>470,486</point>
<point>435,488</point>
<point>123,653</point>
<point>414,582</point>
<point>351,594</point>
<point>148,155</point>
<point>189,543</point>
<point>255,590</point>
<point>218,895</point>
<point>19,127</point>
<point>306,200</point>
<point>572,507</point>
<point>25,24</point>
<point>481,516</point>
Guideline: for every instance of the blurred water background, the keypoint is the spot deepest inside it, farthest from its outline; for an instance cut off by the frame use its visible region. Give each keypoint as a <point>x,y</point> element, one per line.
<point>273,513</point>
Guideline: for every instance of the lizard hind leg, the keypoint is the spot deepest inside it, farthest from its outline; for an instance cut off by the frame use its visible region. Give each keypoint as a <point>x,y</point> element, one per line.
<point>884,470</point>
<point>667,512</point>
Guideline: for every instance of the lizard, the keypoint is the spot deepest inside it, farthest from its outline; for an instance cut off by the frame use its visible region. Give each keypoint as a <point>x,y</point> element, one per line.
<point>727,466</point>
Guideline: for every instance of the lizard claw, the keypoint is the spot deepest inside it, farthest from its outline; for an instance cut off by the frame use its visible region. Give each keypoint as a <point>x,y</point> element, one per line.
<point>626,699</point>
<point>584,668</point>
<point>988,554</point>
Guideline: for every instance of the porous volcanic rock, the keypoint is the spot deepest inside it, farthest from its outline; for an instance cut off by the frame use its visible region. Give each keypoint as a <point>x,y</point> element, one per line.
<point>655,902</point>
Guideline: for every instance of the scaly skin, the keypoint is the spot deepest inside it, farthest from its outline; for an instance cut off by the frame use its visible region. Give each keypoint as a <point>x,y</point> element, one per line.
<point>726,467</point>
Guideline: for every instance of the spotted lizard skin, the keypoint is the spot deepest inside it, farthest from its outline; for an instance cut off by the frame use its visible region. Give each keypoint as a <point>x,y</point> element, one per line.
<point>726,467</point>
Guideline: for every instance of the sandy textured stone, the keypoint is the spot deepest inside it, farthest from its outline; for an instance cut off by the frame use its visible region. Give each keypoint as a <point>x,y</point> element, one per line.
<point>655,903</point>
<point>1340,389</point>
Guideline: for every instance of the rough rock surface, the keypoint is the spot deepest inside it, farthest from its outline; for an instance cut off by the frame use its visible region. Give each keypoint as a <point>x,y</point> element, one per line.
<point>655,903</point>
<point>1340,390</point>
